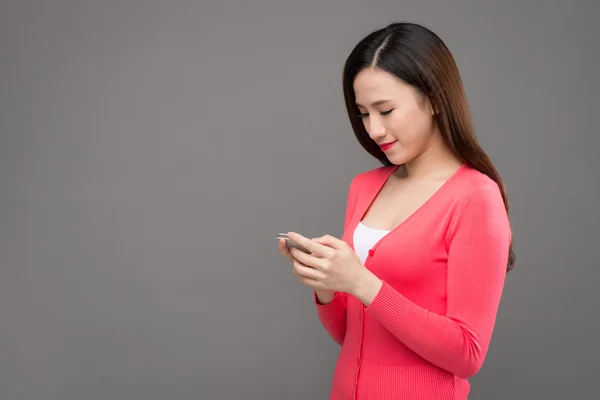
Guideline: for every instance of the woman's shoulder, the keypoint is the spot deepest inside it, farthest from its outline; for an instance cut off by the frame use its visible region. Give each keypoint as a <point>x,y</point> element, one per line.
<point>364,181</point>
<point>477,197</point>
<point>473,183</point>
<point>478,204</point>
<point>372,175</point>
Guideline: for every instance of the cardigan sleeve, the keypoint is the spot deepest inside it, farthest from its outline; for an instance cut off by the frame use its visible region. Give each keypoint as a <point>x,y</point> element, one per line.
<point>458,341</point>
<point>333,314</point>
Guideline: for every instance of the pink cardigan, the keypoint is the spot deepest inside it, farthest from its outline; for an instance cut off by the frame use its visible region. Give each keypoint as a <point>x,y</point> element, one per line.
<point>443,270</point>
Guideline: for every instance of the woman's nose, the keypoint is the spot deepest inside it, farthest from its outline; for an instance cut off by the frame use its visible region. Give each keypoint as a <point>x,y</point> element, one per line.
<point>377,129</point>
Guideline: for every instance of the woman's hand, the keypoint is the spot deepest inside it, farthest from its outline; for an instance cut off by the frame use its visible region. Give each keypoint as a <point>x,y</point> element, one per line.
<point>323,296</point>
<point>334,266</point>
<point>285,251</point>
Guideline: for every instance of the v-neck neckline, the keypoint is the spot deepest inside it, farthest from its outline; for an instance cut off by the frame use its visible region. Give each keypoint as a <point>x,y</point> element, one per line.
<point>381,182</point>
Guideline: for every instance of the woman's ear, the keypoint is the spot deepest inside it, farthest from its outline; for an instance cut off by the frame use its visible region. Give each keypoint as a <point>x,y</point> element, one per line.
<point>433,107</point>
<point>429,103</point>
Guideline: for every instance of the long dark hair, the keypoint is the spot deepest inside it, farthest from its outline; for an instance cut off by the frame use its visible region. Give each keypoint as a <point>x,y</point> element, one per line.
<point>418,57</point>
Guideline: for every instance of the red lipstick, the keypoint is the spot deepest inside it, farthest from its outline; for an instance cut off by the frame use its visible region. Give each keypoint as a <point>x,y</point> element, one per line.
<point>386,146</point>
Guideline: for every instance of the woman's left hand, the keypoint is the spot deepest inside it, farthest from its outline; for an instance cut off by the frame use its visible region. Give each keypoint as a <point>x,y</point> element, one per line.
<point>333,265</point>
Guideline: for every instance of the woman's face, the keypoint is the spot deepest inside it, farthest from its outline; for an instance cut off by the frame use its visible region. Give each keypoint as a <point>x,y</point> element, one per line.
<point>393,115</point>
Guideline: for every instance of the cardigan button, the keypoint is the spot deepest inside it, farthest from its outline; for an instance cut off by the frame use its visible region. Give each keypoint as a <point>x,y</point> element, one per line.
<point>371,252</point>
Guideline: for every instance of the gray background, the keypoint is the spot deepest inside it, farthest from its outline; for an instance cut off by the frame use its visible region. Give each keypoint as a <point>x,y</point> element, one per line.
<point>150,151</point>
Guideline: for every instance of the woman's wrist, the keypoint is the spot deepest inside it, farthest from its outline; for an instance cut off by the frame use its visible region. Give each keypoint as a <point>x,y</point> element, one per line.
<point>324,296</point>
<point>367,287</point>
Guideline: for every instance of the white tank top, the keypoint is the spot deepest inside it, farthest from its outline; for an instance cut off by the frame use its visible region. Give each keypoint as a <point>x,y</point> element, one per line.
<point>365,238</point>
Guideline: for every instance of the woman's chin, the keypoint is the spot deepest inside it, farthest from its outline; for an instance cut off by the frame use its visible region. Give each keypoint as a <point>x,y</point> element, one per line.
<point>397,159</point>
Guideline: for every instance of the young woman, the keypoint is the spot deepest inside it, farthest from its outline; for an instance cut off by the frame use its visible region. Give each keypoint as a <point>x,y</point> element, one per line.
<point>412,288</point>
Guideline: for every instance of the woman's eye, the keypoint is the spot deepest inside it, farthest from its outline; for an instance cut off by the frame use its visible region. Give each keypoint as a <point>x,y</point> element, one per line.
<point>363,115</point>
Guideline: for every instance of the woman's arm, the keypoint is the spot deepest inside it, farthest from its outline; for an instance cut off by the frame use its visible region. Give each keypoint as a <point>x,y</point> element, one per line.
<point>332,306</point>
<point>478,253</point>
<point>333,314</point>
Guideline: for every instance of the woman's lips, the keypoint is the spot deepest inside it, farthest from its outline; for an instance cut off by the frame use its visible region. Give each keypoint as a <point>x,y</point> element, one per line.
<point>386,146</point>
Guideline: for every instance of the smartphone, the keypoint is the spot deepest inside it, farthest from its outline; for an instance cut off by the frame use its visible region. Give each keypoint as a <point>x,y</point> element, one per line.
<point>290,243</point>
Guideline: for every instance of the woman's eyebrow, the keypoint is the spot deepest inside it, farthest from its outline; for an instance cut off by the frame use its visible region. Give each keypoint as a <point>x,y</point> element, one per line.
<point>376,103</point>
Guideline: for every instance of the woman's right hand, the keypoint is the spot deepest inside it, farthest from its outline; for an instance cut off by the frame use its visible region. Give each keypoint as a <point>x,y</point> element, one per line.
<point>285,251</point>
<point>323,296</point>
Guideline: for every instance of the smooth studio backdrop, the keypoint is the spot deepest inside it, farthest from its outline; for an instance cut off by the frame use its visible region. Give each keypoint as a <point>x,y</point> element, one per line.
<point>150,152</point>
